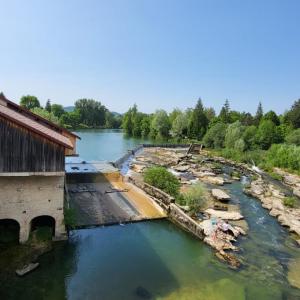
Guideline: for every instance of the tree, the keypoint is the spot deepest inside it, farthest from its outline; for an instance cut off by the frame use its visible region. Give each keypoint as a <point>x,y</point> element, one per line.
<point>45,114</point>
<point>199,122</point>
<point>224,115</point>
<point>233,133</point>
<point>210,113</point>
<point>259,114</point>
<point>57,110</point>
<point>179,126</point>
<point>160,125</point>
<point>249,137</point>
<point>29,102</point>
<point>293,137</point>
<point>293,115</point>
<point>246,119</point>
<point>215,136</point>
<point>271,115</point>
<point>266,134</point>
<point>127,123</point>
<point>48,106</point>
<point>92,113</point>
<point>70,119</point>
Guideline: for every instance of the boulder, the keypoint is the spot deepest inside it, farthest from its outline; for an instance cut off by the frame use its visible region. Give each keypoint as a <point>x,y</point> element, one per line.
<point>220,195</point>
<point>225,215</point>
<point>212,180</point>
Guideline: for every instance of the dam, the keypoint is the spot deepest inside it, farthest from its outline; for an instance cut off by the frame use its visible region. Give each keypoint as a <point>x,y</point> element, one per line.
<point>99,195</point>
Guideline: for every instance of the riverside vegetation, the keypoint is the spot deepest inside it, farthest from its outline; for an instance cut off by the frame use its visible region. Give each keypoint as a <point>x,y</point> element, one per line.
<point>266,139</point>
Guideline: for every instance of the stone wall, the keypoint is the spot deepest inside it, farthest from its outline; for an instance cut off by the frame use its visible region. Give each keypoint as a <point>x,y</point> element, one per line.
<point>24,198</point>
<point>167,202</point>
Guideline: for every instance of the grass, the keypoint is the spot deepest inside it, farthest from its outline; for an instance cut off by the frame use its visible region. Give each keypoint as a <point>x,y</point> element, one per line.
<point>290,201</point>
<point>70,218</point>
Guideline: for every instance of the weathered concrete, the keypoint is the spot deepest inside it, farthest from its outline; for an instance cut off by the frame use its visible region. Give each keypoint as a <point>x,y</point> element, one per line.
<point>24,198</point>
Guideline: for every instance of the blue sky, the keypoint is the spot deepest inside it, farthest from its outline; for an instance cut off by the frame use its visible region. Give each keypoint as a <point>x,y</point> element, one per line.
<point>156,53</point>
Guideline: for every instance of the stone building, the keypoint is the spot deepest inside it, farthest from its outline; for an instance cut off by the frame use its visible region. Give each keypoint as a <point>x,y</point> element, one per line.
<point>32,170</point>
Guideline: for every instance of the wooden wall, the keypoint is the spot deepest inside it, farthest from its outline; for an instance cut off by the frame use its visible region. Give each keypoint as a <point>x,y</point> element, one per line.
<point>24,151</point>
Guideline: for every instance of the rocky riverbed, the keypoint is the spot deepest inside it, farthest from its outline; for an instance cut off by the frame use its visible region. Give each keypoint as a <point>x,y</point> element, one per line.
<point>220,220</point>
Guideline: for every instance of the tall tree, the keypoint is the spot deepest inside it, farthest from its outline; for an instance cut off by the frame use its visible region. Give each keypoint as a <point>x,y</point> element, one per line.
<point>198,123</point>
<point>271,115</point>
<point>293,115</point>
<point>57,110</point>
<point>160,125</point>
<point>29,102</point>
<point>224,115</point>
<point>48,106</point>
<point>259,113</point>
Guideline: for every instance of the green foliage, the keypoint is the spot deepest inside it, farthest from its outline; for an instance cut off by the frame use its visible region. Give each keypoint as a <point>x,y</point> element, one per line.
<point>195,197</point>
<point>48,106</point>
<point>29,102</point>
<point>45,114</point>
<point>57,110</point>
<point>161,178</point>
<point>290,201</point>
<point>233,135</point>
<point>70,217</point>
<point>259,114</point>
<point>92,113</point>
<point>160,125</point>
<point>293,137</point>
<point>293,115</point>
<point>179,126</point>
<point>266,134</point>
<point>275,176</point>
<point>43,233</point>
<point>284,156</point>
<point>249,137</point>
<point>215,136</point>
<point>70,119</point>
<point>271,115</point>
<point>224,115</point>
<point>198,123</point>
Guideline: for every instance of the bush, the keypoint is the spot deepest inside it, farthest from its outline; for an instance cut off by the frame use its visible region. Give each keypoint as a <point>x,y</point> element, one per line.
<point>293,137</point>
<point>290,201</point>
<point>195,197</point>
<point>161,178</point>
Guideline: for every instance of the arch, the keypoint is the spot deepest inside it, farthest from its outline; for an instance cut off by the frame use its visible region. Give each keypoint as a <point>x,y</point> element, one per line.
<point>43,221</point>
<point>9,231</point>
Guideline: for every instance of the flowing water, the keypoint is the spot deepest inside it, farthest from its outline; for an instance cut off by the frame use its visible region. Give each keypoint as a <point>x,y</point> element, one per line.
<point>157,260</point>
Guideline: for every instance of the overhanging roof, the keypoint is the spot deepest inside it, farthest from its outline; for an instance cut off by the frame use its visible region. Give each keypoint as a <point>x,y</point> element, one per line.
<point>35,126</point>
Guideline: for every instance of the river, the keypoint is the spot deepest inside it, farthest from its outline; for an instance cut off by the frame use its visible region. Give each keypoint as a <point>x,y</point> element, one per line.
<point>157,260</point>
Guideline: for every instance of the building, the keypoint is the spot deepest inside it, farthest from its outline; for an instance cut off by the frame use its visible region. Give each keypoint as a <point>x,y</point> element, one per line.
<point>32,170</point>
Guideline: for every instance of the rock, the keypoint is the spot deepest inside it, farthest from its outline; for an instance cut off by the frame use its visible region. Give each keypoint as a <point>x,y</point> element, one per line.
<point>26,269</point>
<point>229,258</point>
<point>296,192</point>
<point>294,273</point>
<point>225,215</point>
<point>181,168</point>
<point>213,180</point>
<point>220,195</point>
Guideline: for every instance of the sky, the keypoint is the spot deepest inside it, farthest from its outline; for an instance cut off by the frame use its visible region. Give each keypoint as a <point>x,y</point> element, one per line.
<point>155,53</point>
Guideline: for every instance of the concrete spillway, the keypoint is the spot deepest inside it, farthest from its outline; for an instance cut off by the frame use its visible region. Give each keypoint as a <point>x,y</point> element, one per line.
<point>99,195</point>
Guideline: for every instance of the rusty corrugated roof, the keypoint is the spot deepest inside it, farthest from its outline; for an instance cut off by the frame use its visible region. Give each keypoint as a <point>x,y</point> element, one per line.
<point>35,126</point>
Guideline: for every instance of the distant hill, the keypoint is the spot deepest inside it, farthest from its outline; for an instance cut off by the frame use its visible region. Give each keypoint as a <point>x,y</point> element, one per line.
<point>69,108</point>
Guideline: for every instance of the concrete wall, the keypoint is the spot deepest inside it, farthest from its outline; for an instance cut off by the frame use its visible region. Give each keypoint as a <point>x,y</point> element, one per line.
<point>175,213</point>
<point>24,198</point>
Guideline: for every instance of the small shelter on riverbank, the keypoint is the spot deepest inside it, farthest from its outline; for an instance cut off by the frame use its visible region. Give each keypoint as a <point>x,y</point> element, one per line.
<point>32,169</point>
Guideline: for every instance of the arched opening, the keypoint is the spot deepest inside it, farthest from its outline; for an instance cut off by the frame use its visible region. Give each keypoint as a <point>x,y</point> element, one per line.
<point>9,231</point>
<point>42,227</point>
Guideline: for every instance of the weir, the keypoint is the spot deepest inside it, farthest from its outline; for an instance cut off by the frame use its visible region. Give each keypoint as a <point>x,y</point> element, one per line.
<point>99,195</point>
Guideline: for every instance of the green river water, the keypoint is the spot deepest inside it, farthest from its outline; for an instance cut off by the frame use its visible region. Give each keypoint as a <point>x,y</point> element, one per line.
<point>157,260</point>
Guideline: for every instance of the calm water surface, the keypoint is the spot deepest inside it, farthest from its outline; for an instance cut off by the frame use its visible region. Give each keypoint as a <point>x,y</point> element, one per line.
<point>157,260</point>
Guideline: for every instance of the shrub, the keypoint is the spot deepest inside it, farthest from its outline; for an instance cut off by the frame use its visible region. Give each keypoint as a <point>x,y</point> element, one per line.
<point>294,137</point>
<point>161,178</point>
<point>289,201</point>
<point>195,197</point>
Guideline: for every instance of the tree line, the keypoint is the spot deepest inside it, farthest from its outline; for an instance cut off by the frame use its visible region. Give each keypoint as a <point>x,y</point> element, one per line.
<point>238,135</point>
<point>87,113</point>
